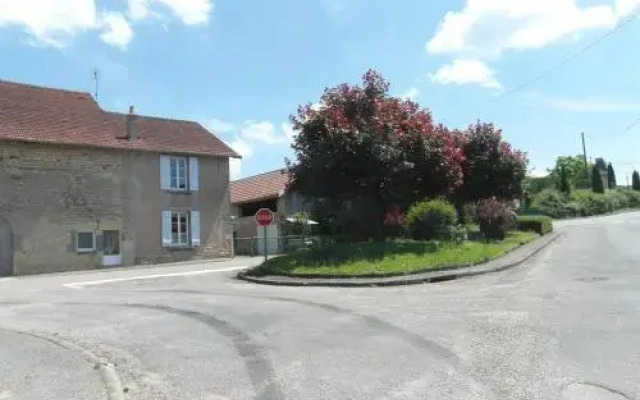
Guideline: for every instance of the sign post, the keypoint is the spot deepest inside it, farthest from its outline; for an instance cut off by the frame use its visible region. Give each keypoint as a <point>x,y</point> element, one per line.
<point>264,218</point>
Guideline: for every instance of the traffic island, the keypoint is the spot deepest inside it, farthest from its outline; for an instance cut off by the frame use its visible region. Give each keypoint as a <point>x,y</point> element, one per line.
<point>397,264</point>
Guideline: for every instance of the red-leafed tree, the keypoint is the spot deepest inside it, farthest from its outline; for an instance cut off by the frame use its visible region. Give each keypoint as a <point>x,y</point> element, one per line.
<point>363,144</point>
<point>491,167</point>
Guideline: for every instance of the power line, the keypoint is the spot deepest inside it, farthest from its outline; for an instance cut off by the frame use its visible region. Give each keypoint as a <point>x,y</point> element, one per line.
<point>633,125</point>
<point>631,17</point>
<point>625,130</point>
<point>573,56</point>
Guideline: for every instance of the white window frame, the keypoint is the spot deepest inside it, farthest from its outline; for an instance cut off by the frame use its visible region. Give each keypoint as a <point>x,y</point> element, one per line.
<point>187,217</point>
<point>87,249</point>
<point>181,165</point>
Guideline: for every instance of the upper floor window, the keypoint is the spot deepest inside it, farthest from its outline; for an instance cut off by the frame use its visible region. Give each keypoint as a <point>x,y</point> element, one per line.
<point>179,173</point>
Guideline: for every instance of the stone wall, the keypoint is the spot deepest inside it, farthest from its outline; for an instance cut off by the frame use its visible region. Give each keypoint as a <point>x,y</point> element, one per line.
<point>48,192</point>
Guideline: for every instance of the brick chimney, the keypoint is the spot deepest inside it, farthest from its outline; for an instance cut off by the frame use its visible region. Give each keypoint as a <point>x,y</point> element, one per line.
<point>132,124</point>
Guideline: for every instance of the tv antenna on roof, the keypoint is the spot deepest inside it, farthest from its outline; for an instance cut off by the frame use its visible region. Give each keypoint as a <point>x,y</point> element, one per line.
<point>96,74</point>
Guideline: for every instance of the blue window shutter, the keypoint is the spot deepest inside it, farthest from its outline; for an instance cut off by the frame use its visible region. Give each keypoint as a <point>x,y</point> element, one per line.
<point>165,172</point>
<point>166,229</point>
<point>194,173</point>
<point>195,228</point>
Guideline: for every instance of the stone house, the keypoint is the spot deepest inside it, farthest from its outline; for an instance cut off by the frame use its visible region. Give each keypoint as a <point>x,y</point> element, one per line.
<point>268,190</point>
<point>83,188</point>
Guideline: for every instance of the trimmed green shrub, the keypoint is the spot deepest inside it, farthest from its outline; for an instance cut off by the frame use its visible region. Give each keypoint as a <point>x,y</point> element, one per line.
<point>494,218</point>
<point>590,203</point>
<point>615,200</point>
<point>554,204</point>
<point>583,203</point>
<point>431,219</point>
<point>467,213</point>
<point>633,197</point>
<point>540,224</point>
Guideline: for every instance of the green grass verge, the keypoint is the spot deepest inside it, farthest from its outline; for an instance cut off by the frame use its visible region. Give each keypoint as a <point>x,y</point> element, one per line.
<point>370,259</point>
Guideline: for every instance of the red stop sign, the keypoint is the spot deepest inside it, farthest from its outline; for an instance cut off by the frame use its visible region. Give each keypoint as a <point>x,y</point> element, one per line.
<point>264,217</point>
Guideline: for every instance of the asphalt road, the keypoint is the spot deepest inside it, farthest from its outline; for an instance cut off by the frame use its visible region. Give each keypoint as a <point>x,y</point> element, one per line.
<point>565,325</point>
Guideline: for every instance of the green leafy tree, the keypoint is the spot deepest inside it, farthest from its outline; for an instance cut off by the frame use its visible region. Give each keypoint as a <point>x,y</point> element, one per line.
<point>635,181</point>
<point>611,174</point>
<point>538,184</point>
<point>565,186</point>
<point>574,167</point>
<point>596,180</point>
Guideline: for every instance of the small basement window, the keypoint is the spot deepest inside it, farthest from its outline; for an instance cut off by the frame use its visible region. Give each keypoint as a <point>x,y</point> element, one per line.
<point>86,242</point>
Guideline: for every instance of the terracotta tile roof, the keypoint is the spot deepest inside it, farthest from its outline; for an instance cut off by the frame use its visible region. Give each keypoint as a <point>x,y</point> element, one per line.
<point>38,114</point>
<point>259,187</point>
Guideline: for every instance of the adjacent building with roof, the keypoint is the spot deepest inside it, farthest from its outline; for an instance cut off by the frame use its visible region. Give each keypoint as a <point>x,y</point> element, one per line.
<point>83,188</point>
<point>248,195</point>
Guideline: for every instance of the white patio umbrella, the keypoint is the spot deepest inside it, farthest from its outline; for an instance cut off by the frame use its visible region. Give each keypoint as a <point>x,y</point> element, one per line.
<point>299,221</point>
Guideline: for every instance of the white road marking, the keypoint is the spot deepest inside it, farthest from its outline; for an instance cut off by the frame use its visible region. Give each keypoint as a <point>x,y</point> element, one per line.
<point>80,285</point>
<point>6,280</point>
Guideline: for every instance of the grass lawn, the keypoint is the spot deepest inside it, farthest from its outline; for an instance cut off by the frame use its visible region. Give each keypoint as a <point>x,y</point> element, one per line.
<point>389,258</point>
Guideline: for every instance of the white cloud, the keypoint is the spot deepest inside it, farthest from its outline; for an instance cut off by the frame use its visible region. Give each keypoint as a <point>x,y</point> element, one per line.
<point>48,22</point>
<point>191,12</point>
<point>485,28</point>
<point>235,165</point>
<point>537,173</point>
<point>249,135</point>
<point>465,71</point>
<point>411,94</point>
<point>235,169</point>
<point>263,131</point>
<point>55,23</point>
<point>220,126</point>
<point>625,7</point>
<point>139,9</point>
<point>242,147</point>
<point>586,104</point>
<point>117,30</point>
<point>288,131</point>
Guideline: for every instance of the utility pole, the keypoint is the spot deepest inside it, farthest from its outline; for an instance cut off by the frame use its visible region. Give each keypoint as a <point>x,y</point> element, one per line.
<point>584,151</point>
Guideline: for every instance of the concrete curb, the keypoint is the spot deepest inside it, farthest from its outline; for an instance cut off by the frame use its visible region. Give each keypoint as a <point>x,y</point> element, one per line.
<point>509,260</point>
<point>112,383</point>
<point>140,267</point>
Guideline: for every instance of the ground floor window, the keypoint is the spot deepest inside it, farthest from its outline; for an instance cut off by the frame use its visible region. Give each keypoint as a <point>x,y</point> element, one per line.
<point>111,243</point>
<point>85,242</point>
<point>179,228</point>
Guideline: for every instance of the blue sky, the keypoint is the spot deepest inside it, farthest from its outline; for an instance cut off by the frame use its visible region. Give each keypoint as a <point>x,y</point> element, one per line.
<point>242,66</point>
